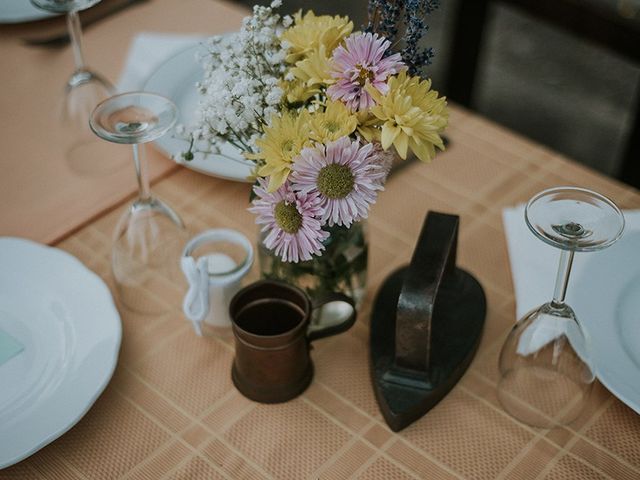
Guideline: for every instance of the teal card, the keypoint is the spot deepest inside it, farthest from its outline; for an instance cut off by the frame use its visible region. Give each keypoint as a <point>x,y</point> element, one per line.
<point>9,347</point>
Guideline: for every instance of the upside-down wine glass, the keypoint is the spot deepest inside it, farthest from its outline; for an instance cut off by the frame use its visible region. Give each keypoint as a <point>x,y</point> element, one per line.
<point>546,373</point>
<point>150,235</point>
<point>83,91</point>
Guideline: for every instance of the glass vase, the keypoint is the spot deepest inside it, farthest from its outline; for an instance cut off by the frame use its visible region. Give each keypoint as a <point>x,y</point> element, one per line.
<point>341,268</point>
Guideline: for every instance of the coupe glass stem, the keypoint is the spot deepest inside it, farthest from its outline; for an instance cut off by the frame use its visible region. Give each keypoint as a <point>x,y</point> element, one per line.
<point>75,34</point>
<point>142,171</point>
<point>562,278</point>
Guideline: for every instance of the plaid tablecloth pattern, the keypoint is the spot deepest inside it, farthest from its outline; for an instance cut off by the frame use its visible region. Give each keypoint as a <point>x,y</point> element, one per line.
<point>171,410</point>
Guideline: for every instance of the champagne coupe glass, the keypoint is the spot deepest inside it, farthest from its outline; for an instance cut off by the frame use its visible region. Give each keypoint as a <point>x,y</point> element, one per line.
<point>83,91</point>
<point>546,373</point>
<point>149,237</point>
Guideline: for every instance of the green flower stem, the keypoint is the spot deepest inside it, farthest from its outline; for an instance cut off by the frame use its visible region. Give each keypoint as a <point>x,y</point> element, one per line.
<point>342,267</point>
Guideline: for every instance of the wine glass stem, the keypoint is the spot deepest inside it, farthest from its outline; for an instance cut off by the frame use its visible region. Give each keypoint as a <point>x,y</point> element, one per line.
<point>142,173</point>
<point>75,34</point>
<point>562,279</point>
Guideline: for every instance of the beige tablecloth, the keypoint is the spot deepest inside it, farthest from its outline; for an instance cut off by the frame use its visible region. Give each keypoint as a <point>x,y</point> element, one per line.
<point>171,410</point>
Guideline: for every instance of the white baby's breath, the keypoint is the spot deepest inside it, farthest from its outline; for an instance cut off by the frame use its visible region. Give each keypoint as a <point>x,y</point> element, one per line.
<point>239,91</point>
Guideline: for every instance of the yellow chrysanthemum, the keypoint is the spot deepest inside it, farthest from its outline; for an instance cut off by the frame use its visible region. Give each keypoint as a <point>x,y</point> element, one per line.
<point>281,143</point>
<point>315,69</point>
<point>297,92</point>
<point>413,116</point>
<point>311,31</point>
<point>368,125</point>
<point>336,121</point>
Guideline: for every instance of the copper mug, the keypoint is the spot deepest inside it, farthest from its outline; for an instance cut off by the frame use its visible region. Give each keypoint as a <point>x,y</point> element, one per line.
<point>270,321</point>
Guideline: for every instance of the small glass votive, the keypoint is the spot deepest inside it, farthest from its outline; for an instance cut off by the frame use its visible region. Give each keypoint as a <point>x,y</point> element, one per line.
<point>214,263</point>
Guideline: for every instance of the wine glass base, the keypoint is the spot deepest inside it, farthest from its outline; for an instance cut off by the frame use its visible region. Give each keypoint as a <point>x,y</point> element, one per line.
<point>575,219</point>
<point>540,397</point>
<point>134,118</point>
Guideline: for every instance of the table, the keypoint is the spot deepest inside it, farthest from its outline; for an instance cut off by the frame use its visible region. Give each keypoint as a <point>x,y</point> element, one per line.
<point>171,410</point>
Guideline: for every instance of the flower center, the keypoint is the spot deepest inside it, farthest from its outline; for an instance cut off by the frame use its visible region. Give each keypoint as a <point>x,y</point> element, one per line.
<point>287,146</point>
<point>335,181</point>
<point>287,217</point>
<point>331,126</point>
<point>364,75</point>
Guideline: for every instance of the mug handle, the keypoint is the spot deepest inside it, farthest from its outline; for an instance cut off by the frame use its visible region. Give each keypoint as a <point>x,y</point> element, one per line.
<point>338,328</point>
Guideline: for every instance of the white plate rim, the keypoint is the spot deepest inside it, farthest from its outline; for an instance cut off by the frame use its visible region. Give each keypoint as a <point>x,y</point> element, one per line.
<point>64,425</point>
<point>208,164</point>
<point>609,355</point>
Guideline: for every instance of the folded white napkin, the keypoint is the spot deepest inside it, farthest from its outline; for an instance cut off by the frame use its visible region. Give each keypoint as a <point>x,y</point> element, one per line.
<point>147,52</point>
<point>534,264</point>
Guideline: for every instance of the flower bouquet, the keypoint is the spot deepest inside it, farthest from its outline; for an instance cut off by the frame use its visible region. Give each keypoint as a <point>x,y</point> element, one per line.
<point>322,111</point>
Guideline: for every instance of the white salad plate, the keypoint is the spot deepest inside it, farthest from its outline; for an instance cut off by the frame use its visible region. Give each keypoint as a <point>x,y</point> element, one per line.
<point>607,302</point>
<point>64,316</point>
<point>20,11</point>
<point>176,79</point>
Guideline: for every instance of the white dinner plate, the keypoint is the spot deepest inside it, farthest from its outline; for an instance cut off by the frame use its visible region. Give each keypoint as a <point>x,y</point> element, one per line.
<point>64,316</point>
<point>19,11</point>
<point>176,79</point>
<point>606,294</point>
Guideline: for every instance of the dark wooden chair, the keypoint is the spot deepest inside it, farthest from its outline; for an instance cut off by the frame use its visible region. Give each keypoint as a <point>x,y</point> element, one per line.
<point>591,19</point>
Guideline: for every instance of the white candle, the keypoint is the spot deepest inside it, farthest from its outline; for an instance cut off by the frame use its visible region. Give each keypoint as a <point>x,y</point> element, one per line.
<point>220,293</point>
<point>218,263</point>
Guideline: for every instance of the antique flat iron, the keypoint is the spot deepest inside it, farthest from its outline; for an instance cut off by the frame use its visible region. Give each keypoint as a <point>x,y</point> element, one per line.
<point>426,325</point>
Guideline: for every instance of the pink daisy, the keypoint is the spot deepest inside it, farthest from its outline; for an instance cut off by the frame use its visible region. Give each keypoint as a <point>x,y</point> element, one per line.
<point>345,177</point>
<point>292,220</point>
<point>360,62</point>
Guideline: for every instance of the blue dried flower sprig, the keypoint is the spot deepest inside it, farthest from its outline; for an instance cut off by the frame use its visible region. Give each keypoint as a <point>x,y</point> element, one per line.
<point>403,23</point>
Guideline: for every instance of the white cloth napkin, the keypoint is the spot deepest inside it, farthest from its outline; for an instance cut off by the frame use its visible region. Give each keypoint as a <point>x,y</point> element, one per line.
<point>147,52</point>
<point>534,264</point>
